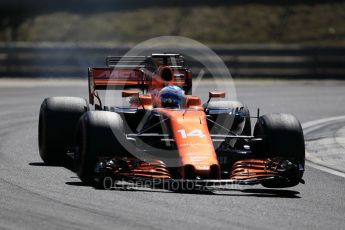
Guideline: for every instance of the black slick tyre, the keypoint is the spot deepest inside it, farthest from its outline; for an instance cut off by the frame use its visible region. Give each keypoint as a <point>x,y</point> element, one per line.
<point>58,118</point>
<point>283,137</point>
<point>99,134</point>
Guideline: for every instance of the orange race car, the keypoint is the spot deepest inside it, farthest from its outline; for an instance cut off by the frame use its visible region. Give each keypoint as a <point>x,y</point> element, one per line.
<point>165,136</point>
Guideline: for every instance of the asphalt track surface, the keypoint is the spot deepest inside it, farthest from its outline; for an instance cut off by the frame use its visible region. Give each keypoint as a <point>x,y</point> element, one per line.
<point>36,196</point>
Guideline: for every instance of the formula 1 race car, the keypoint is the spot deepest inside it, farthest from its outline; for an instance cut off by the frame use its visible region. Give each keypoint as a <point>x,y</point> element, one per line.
<point>166,135</point>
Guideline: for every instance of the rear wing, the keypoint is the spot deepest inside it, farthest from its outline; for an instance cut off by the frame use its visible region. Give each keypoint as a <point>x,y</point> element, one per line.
<point>130,62</point>
<point>110,78</point>
<point>149,62</point>
<point>138,72</point>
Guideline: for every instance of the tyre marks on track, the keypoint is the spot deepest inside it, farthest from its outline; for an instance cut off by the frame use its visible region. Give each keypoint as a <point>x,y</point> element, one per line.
<point>325,144</point>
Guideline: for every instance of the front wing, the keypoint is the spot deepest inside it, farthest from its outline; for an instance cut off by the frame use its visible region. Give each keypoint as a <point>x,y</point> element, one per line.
<point>156,174</point>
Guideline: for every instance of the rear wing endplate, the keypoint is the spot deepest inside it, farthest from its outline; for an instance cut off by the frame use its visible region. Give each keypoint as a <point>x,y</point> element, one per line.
<point>110,78</point>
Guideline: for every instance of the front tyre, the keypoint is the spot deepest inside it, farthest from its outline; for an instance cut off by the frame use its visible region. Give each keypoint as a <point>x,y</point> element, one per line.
<point>99,134</point>
<point>282,137</point>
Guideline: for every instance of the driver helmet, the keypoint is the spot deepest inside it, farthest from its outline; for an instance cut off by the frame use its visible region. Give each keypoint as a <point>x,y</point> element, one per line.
<point>172,97</point>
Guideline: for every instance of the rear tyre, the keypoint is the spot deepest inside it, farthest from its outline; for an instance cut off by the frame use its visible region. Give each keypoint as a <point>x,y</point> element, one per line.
<point>57,121</point>
<point>283,137</point>
<point>100,134</point>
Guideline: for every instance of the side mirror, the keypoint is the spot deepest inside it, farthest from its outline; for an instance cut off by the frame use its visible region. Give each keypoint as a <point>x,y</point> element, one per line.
<point>216,94</point>
<point>130,93</point>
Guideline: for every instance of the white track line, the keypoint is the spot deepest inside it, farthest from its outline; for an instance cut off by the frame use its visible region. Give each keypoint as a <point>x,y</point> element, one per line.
<point>313,161</point>
<point>324,169</point>
<point>310,124</point>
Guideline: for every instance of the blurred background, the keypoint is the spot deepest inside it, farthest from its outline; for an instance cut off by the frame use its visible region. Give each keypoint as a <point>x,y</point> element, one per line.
<point>267,38</point>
